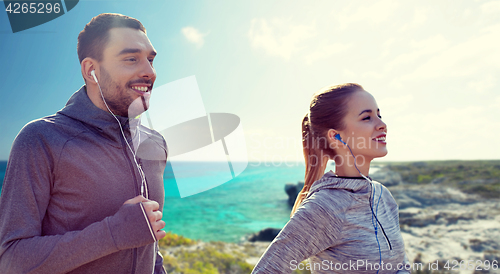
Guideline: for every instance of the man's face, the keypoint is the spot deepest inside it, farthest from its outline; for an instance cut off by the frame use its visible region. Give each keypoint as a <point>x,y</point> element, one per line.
<point>126,71</point>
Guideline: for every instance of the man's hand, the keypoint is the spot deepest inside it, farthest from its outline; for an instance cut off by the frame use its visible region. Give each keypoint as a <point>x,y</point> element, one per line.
<point>154,215</point>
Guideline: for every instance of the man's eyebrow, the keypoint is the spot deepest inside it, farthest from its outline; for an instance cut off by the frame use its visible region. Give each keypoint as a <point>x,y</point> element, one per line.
<point>130,50</point>
<point>368,110</point>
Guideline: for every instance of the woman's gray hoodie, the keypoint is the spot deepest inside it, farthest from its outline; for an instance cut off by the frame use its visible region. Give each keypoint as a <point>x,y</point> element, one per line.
<point>335,228</point>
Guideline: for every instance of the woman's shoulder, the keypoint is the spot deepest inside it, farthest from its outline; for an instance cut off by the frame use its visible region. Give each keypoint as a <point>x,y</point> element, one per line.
<point>386,193</point>
<point>331,200</point>
<point>382,187</point>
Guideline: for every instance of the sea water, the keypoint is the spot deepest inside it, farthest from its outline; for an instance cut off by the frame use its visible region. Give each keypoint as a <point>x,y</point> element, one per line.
<point>252,201</point>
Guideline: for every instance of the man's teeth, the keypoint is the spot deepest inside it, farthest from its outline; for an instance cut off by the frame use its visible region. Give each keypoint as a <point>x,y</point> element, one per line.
<point>143,89</point>
<point>380,138</point>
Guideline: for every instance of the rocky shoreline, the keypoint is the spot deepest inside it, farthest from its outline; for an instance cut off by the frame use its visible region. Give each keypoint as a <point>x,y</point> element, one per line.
<point>443,224</point>
<point>440,224</point>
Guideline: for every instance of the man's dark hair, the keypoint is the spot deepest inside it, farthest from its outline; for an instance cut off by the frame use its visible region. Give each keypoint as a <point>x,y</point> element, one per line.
<point>93,38</point>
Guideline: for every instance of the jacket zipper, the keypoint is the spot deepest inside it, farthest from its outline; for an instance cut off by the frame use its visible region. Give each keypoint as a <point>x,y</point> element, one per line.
<point>373,215</point>
<point>134,253</point>
<point>385,235</point>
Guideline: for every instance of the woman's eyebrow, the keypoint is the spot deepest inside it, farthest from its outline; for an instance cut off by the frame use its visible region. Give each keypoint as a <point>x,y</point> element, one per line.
<point>368,110</point>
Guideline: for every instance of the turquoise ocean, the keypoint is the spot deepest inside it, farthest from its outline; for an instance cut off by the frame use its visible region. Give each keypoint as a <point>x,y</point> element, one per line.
<point>252,201</point>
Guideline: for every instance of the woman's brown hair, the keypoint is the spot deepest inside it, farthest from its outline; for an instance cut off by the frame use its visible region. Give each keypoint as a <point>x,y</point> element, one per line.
<point>327,111</point>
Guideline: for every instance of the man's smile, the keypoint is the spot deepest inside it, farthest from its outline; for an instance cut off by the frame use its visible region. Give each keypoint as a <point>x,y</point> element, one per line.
<point>141,89</point>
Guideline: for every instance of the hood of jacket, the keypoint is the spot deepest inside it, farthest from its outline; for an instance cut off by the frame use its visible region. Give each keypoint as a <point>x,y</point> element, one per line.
<point>80,107</point>
<point>331,181</point>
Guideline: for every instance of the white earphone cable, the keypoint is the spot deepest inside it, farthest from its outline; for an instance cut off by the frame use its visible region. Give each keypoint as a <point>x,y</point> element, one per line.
<point>141,172</point>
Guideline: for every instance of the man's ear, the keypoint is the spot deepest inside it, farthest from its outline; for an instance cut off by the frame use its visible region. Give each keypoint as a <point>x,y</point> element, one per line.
<point>88,65</point>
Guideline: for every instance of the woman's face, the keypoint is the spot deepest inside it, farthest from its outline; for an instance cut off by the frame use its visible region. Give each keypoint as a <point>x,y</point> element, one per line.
<point>365,131</point>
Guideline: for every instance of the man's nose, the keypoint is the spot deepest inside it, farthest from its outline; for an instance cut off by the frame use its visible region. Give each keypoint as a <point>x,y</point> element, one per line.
<point>147,70</point>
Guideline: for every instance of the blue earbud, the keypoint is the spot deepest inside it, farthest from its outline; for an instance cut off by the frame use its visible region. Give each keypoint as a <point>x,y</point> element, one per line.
<point>337,136</point>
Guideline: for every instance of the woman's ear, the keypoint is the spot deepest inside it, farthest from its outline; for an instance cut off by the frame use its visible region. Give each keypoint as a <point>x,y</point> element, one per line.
<point>331,134</point>
<point>334,139</point>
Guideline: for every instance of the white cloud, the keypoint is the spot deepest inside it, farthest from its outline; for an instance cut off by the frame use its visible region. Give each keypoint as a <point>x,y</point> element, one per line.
<point>483,84</point>
<point>375,13</point>
<point>431,44</point>
<point>387,47</point>
<point>393,106</point>
<point>279,37</point>
<point>491,7</point>
<point>283,38</point>
<point>421,48</point>
<point>348,76</point>
<point>373,75</point>
<point>464,59</point>
<point>325,52</point>
<point>453,133</point>
<point>419,18</point>
<point>389,42</point>
<point>194,36</point>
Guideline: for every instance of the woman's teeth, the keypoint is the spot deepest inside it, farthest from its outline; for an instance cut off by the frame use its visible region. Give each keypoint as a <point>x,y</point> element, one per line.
<point>380,138</point>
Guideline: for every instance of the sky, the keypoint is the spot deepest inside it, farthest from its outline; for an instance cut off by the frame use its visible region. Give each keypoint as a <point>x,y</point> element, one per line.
<point>432,66</point>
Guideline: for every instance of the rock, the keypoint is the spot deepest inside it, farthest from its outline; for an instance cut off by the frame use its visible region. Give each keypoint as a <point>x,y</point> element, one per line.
<point>438,180</point>
<point>293,190</point>
<point>479,182</point>
<point>265,235</point>
<point>409,212</point>
<point>419,221</point>
<point>491,255</point>
<point>387,177</point>
<point>404,201</point>
<point>479,245</point>
<point>429,195</point>
<point>419,164</point>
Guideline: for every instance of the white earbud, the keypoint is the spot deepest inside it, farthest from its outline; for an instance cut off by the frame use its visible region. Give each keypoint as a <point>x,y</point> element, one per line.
<point>93,74</point>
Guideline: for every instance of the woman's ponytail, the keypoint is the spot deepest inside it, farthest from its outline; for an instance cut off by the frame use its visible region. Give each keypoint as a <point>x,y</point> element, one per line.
<point>313,161</point>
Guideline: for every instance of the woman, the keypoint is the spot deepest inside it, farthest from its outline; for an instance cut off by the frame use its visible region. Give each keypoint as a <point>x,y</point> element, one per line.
<point>343,222</point>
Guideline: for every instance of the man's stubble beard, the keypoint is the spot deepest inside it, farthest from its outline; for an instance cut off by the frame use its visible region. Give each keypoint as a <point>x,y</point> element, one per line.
<point>117,98</point>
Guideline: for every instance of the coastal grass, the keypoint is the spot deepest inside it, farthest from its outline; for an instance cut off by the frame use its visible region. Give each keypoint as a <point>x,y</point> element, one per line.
<point>172,239</point>
<point>184,255</point>
<point>188,256</point>
<point>206,260</point>
<point>473,177</point>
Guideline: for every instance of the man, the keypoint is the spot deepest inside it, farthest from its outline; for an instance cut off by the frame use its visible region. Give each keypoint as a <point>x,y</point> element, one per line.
<point>83,190</point>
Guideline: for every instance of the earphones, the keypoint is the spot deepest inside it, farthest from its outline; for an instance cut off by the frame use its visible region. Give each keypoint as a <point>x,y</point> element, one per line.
<point>337,136</point>
<point>141,173</point>
<point>375,227</point>
<point>144,185</point>
<point>95,78</point>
